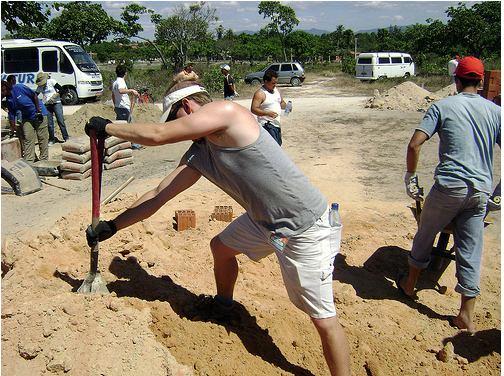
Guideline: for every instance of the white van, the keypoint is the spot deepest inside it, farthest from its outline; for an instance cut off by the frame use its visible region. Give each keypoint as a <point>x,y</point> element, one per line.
<point>375,65</point>
<point>65,62</point>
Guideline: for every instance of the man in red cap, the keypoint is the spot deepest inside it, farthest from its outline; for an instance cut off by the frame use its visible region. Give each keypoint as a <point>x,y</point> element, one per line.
<point>468,126</point>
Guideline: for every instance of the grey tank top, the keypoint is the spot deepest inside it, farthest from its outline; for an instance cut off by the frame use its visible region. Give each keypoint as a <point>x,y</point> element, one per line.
<point>262,179</point>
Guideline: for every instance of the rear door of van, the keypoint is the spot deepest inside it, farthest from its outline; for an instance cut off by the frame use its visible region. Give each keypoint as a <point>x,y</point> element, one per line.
<point>364,68</point>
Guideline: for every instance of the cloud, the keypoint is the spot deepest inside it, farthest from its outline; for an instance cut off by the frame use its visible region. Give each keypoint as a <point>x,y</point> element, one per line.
<point>375,4</point>
<point>397,17</point>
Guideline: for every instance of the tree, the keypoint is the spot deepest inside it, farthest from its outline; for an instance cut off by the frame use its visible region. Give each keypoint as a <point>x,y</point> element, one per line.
<point>476,28</point>
<point>81,22</point>
<point>24,16</point>
<point>283,19</point>
<point>131,27</point>
<point>185,27</point>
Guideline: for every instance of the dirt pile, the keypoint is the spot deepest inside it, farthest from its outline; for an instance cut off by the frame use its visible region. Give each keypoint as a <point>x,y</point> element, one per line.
<point>145,112</point>
<point>446,91</point>
<point>405,97</point>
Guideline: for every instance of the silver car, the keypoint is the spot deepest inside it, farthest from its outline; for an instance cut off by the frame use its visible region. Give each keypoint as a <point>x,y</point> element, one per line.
<point>288,73</point>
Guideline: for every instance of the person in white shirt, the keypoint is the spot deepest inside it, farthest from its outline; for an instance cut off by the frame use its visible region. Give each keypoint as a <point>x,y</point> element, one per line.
<point>50,91</point>
<point>123,104</point>
<point>452,67</point>
<point>267,104</point>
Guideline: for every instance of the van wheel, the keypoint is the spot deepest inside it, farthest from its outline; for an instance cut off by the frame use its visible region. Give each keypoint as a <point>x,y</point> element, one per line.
<point>381,78</point>
<point>69,97</point>
<point>255,82</point>
<point>406,75</point>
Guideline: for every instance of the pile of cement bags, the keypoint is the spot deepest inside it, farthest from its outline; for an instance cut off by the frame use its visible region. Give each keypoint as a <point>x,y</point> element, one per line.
<point>76,164</point>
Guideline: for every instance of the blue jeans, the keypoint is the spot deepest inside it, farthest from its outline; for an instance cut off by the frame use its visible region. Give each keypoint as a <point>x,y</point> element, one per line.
<point>56,109</point>
<point>466,208</point>
<point>275,132</point>
<point>124,114</point>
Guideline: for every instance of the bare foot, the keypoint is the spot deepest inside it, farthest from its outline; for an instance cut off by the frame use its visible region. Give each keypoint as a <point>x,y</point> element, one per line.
<point>463,324</point>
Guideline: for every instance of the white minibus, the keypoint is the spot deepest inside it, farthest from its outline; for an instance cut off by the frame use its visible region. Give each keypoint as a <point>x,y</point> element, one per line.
<point>376,65</point>
<point>65,62</point>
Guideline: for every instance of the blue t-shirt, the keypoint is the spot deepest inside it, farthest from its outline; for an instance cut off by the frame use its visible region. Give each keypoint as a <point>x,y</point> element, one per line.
<point>468,126</point>
<point>21,99</point>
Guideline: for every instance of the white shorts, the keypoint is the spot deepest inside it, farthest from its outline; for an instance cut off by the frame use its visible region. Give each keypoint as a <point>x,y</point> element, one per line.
<point>306,261</point>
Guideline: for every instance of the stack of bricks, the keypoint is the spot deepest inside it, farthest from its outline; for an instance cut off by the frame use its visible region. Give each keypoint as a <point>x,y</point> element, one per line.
<point>118,153</point>
<point>185,219</point>
<point>222,213</point>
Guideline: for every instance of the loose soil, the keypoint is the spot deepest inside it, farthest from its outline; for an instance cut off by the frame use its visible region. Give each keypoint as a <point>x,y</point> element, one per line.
<point>150,323</point>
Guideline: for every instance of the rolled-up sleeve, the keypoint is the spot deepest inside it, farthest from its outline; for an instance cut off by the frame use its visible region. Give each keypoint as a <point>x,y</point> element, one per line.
<point>430,122</point>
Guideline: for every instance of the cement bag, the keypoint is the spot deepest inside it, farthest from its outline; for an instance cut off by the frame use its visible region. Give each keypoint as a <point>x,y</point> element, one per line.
<point>118,163</point>
<point>77,158</point>
<point>111,141</point>
<point>77,145</point>
<point>75,175</point>
<point>22,177</point>
<point>75,167</point>
<point>125,153</point>
<point>121,146</point>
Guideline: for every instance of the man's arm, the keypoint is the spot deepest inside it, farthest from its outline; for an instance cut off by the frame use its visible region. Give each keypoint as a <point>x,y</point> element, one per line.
<point>199,124</point>
<point>129,91</point>
<point>282,103</point>
<point>35,100</point>
<point>414,146</point>
<point>257,101</point>
<point>176,182</point>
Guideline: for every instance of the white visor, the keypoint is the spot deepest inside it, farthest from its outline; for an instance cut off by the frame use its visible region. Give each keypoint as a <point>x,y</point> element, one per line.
<point>176,96</point>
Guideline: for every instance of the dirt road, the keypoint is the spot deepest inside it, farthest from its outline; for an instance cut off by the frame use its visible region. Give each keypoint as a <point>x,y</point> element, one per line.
<point>150,324</point>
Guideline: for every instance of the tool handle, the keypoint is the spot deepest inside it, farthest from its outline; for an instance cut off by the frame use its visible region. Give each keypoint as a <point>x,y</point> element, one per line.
<point>97,146</point>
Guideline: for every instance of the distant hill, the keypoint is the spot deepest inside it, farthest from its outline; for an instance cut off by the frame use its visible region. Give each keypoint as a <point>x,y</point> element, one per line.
<point>378,28</point>
<point>320,31</point>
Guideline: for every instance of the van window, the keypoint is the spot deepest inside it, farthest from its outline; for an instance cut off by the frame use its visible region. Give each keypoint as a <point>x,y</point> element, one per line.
<point>21,60</point>
<point>407,59</point>
<point>50,61</point>
<point>286,68</point>
<point>383,60</point>
<point>65,64</point>
<point>81,59</point>
<point>275,67</point>
<point>364,60</point>
<point>396,60</point>
<point>294,67</point>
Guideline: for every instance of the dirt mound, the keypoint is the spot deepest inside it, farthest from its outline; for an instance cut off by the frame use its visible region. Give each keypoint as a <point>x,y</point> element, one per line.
<point>446,91</point>
<point>405,97</point>
<point>141,112</point>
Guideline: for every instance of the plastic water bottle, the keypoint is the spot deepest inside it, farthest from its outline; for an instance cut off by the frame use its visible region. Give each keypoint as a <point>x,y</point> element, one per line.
<point>288,108</point>
<point>336,227</point>
<point>334,216</point>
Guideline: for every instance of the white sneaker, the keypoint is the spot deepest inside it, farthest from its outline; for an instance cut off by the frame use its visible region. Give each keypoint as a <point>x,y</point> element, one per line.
<point>50,143</point>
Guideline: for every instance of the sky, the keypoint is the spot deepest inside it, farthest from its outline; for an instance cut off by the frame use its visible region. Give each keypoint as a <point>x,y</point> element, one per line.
<point>324,15</point>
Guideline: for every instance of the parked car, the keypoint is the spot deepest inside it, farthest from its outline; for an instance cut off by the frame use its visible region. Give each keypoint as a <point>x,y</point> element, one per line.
<point>288,73</point>
<point>376,65</point>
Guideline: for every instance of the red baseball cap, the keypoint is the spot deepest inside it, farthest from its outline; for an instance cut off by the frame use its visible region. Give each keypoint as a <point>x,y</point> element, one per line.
<point>470,67</point>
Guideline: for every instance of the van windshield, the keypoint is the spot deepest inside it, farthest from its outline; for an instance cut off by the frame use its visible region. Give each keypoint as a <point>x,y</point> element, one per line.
<point>82,59</point>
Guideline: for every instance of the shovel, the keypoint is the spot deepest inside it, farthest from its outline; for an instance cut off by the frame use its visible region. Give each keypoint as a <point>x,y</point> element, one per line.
<point>93,282</point>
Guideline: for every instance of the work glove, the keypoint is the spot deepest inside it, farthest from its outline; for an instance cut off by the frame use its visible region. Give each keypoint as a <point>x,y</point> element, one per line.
<point>98,124</point>
<point>412,188</point>
<point>39,118</point>
<point>103,231</point>
<point>494,202</point>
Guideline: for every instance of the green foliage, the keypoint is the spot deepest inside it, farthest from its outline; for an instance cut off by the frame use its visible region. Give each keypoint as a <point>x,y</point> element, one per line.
<point>348,64</point>
<point>23,18</point>
<point>213,80</point>
<point>283,19</point>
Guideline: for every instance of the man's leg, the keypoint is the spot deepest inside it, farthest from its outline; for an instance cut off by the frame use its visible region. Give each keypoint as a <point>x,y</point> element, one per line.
<point>29,142</point>
<point>50,124</point>
<point>439,209</point>
<point>334,345</point>
<point>468,236</point>
<point>43,140</point>
<point>58,111</point>
<point>225,268</point>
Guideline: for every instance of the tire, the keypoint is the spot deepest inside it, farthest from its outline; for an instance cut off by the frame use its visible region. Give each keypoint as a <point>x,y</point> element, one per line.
<point>69,97</point>
<point>255,82</point>
<point>295,81</point>
<point>406,75</point>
